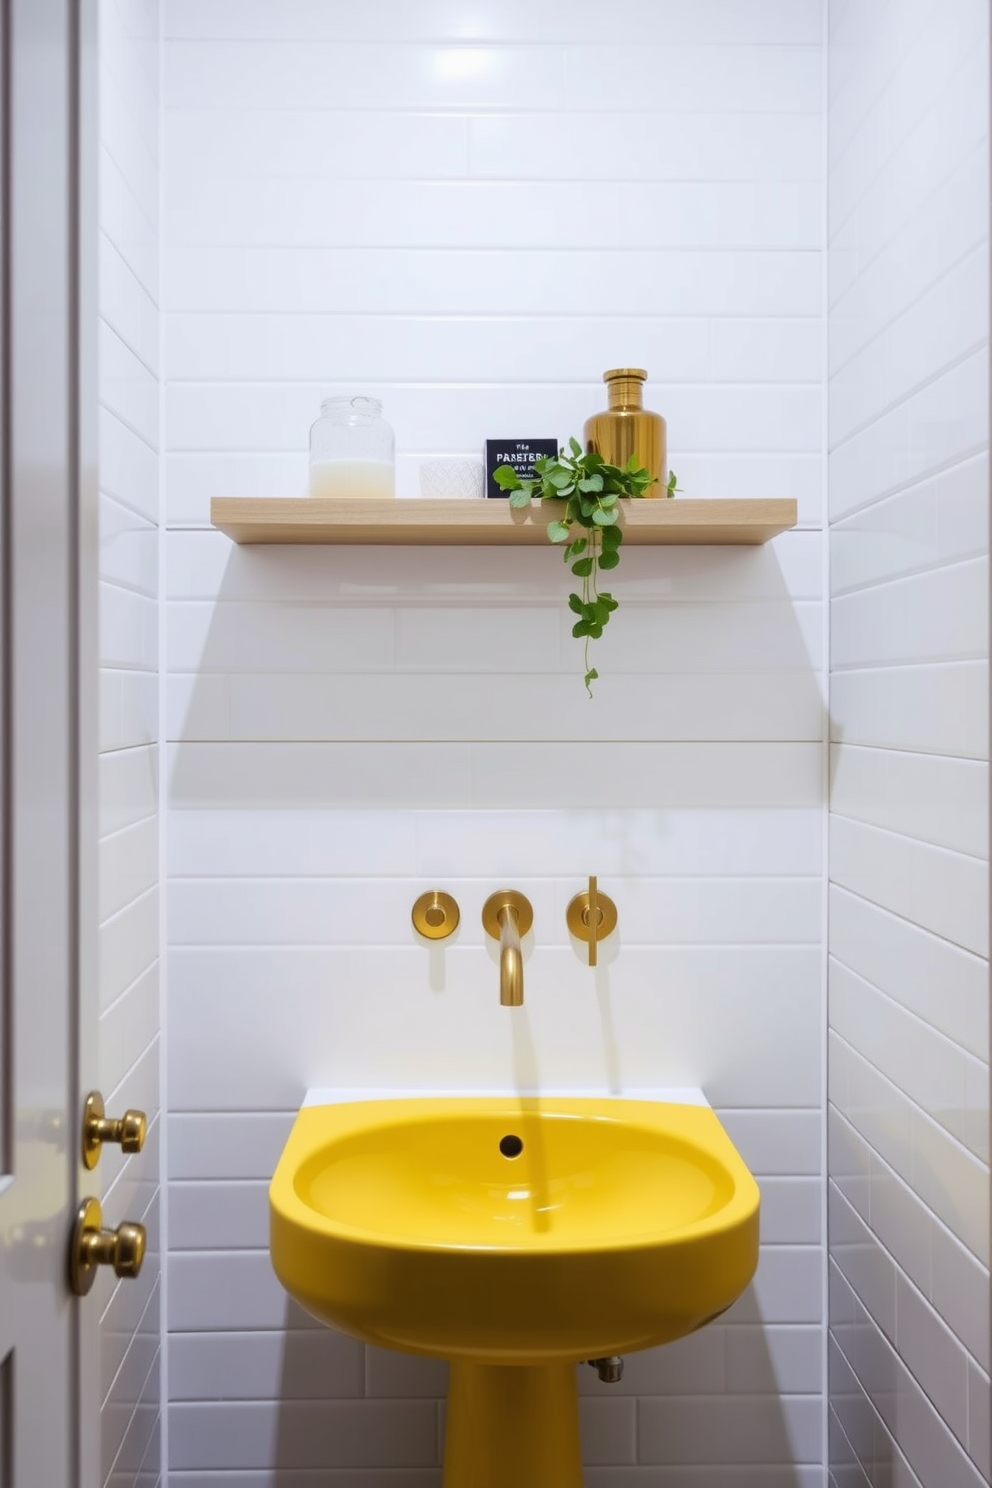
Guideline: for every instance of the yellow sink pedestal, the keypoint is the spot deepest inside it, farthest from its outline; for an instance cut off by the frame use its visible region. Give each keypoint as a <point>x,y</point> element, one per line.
<point>512,1424</point>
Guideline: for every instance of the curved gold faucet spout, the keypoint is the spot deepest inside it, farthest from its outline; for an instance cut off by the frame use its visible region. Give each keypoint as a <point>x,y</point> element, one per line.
<point>506,916</point>
<point>511,961</point>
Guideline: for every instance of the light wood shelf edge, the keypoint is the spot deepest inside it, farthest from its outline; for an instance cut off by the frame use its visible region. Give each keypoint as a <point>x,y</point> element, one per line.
<point>302,519</point>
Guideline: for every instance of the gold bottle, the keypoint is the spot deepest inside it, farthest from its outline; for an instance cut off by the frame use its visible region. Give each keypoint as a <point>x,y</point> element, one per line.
<point>627,428</point>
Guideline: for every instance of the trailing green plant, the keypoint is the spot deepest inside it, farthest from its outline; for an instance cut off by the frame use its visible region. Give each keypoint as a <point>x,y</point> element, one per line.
<point>590,490</point>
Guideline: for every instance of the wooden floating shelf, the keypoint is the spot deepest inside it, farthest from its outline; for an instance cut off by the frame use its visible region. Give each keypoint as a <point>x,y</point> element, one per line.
<point>304,519</point>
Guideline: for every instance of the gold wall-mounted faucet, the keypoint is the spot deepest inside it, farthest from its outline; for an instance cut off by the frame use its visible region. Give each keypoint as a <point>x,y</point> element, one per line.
<point>506,916</point>
<point>591,916</point>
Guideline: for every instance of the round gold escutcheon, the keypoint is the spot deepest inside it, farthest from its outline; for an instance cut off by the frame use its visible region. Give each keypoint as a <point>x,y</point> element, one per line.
<point>435,915</point>
<point>510,899</point>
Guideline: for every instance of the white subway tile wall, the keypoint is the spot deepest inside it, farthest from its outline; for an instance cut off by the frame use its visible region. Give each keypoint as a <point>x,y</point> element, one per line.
<point>129,456</point>
<point>472,211</point>
<point>908,326</point>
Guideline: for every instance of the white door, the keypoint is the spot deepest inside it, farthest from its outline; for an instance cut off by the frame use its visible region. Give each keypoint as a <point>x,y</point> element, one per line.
<point>46,703</point>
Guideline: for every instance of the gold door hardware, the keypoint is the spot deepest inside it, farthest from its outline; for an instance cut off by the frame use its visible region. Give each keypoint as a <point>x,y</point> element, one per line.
<point>435,915</point>
<point>129,1130</point>
<point>93,1246</point>
<point>591,916</point>
<point>506,916</point>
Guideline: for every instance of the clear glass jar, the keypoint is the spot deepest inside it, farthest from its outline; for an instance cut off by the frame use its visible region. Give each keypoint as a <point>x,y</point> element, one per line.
<point>352,450</point>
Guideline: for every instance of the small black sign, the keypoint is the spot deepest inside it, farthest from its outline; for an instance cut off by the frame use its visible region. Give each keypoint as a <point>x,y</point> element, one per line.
<point>518,453</point>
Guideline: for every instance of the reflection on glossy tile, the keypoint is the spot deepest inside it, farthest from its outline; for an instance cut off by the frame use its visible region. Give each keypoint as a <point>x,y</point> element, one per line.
<point>908,499</point>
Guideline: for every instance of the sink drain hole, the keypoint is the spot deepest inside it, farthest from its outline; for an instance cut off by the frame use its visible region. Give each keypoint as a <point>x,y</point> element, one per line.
<point>511,1146</point>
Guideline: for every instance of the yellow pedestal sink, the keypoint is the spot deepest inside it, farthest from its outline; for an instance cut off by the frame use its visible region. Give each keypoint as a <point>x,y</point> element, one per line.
<point>514,1236</point>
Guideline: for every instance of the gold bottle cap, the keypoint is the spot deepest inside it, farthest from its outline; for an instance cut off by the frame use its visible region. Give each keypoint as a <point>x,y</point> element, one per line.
<point>616,372</point>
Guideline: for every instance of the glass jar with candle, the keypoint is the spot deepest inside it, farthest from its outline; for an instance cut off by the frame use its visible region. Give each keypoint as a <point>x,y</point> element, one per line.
<point>351,450</point>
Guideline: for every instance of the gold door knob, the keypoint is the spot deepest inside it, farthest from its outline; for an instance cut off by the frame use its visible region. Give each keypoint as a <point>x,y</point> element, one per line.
<point>591,916</point>
<point>129,1130</point>
<point>93,1246</point>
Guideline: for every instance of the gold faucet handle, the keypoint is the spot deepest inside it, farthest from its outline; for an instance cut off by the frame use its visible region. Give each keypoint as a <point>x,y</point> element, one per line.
<point>592,919</point>
<point>591,916</point>
<point>435,915</point>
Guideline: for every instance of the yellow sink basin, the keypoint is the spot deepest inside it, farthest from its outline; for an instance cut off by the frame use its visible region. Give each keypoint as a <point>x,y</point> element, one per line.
<point>513,1230</point>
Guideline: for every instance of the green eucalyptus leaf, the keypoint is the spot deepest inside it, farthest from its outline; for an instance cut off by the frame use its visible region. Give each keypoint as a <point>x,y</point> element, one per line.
<point>587,491</point>
<point>506,478</point>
